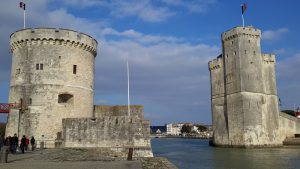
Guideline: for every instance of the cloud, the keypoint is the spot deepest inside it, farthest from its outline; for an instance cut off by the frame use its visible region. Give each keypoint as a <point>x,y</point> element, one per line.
<point>288,81</point>
<point>273,35</point>
<point>146,10</point>
<point>138,36</point>
<point>195,6</point>
<point>169,76</point>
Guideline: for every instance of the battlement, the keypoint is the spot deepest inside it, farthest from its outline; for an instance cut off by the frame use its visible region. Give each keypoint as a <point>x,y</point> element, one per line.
<point>215,63</point>
<point>52,36</point>
<point>268,58</point>
<point>248,32</point>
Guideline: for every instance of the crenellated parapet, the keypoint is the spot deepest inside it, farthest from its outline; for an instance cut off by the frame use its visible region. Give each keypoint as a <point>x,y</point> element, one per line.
<point>248,32</point>
<point>268,58</point>
<point>52,36</point>
<point>215,64</point>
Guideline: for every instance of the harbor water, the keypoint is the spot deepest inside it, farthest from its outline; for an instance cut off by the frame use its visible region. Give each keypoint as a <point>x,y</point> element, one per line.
<point>197,154</point>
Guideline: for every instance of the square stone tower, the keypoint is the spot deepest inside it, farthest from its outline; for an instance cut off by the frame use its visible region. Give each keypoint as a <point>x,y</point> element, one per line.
<point>243,92</point>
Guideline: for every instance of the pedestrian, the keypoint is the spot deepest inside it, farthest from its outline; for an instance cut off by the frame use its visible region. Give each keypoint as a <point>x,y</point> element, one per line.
<point>26,144</point>
<point>32,141</point>
<point>23,143</point>
<point>15,143</point>
<point>42,144</point>
<point>1,142</point>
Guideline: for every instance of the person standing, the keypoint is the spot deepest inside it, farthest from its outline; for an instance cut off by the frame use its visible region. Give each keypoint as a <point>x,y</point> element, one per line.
<point>26,144</point>
<point>32,141</point>
<point>13,143</point>
<point>42,144</point>
<point>1,141</point>
<point>23,143</point>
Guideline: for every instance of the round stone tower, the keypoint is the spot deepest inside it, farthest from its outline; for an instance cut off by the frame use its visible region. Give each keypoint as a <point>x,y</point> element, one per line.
<point>52,77</point>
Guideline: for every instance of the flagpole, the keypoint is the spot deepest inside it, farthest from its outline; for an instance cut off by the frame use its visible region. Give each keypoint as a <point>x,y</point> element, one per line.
<point>24,18</point>
<point>243,20</point>
<point>128,88</point>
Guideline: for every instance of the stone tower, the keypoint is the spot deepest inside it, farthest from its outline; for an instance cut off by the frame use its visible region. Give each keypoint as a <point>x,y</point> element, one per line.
<point>243,92</point>
<point>52,76</point>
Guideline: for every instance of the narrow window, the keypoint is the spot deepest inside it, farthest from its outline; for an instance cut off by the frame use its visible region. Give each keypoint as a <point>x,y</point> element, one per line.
<point>249,41</point>
<point>234,53</point>
<point>18,71</point>
<point>254,53</point>
<point>30,101</point>
<point>37,67</point>
<point>41,66</point>
<point>59,57</point>
<point>74,69</point>
<point>232,42</point>
<point>245,51</point>
<point>65,98</point>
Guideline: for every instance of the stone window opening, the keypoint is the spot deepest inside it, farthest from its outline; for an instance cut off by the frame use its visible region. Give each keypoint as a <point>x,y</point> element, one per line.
<point>59,57</point>
<point>245,51</point>
<point>65,98</point>
<point>18,71</point>
<point>249,41</point>
<point>30,101</point>
<point>74,69</point>
<point>254,52</point>
<point>39,66</point>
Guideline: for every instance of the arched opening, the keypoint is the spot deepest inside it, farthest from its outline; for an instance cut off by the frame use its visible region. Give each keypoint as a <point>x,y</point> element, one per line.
<point>65,98</point>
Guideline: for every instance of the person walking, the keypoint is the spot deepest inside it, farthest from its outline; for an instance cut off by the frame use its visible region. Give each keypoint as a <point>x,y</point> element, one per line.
<point>26,144</point>
<point>15,143</point>
<point>32,141</point>
<point>23,143</point>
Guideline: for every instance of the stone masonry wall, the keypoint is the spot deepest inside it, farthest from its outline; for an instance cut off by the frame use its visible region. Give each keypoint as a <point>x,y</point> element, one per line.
<point>105,110</point>
<point>115,132</point>
<point>289,126</point>
<point>247,115</point>
<point>43,77</point>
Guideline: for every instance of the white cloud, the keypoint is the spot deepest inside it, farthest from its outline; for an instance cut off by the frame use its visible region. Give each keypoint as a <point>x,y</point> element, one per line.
<point>196,6</point>
<point>274,34</point>
<point>146,10</point>
<point>139,37</point>
<point>288,81</point>
<point>168,75</point>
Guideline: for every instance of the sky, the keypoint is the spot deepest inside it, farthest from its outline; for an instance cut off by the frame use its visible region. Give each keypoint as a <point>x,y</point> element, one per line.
<point>168,44</point>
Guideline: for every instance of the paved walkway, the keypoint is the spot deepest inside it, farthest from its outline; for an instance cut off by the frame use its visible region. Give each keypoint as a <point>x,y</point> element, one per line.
<point>36,160</point>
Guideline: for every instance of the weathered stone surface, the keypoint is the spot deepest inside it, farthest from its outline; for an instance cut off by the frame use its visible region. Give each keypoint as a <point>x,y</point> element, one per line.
<point>120,110</point>
<point>53,77</point>
<point>243,92</point>
<point>42,70</point>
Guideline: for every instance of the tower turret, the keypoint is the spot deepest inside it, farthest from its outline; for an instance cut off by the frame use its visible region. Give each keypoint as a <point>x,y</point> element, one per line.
<point>53,75</point>
<point>249,112</point>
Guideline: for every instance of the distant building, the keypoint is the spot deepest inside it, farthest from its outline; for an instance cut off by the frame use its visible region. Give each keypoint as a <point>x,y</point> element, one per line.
<point>175,129</point>
<point>158,129</point>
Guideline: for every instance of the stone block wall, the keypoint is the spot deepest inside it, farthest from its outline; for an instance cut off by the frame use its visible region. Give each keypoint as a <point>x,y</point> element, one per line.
<point>44,79</point>
<point>289,126</point>
<point>114,132</point>
<point>119,110</point>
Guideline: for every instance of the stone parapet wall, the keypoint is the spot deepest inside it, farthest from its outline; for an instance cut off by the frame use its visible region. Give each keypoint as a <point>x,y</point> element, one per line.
<point>289,125</point>
<point>114,131</point>
<point>52,36</point>
<point>105,110</point>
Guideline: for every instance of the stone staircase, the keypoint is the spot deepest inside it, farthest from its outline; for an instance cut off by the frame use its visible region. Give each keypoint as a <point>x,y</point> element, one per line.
<point>292,140</point>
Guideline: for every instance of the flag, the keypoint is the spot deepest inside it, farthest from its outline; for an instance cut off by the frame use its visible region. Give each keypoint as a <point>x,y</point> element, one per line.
<point>244,7</point>
<point>22,5</point>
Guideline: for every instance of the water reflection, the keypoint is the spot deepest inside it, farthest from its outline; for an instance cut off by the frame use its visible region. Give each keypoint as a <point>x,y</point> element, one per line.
<point>196,154</point>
